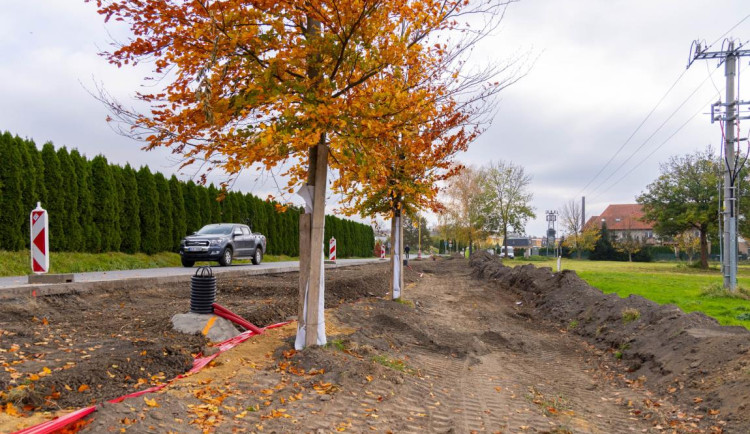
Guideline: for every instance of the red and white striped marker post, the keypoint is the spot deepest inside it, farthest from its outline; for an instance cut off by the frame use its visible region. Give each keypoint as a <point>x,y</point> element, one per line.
<point>39,240</point>
<point>332,250</point>
<point>382,251</point>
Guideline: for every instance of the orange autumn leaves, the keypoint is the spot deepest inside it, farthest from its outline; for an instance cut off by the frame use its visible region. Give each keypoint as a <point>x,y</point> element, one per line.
<point>247,81</point>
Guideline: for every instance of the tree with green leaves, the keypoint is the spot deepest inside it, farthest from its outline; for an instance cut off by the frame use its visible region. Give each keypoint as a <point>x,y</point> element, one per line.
<point>55,205</point>
<point>103,203</point>
<point>12,213</point>
<point>509,198</point>
<point>149,212</point>
<point>685,196</point>
<point>115,243</point>
<point>603,249</point>
<point>69,191</point>
<point>130,220</point>
<point>28,186</point>
<point>179,227</point>
<point>413,228</point>
<point>165,212</point>
<point>192,208</point>
<point>85,201</point>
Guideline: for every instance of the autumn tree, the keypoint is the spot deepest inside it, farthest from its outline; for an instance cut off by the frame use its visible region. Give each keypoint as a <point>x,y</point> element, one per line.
<point>252,81</point>
<point>684,197</point>
<point>689,243</point>
<point>578,238</point>
<point>509,207</point>
<point>583,241</point>
<point>466,206</point>
<point>627,242</point>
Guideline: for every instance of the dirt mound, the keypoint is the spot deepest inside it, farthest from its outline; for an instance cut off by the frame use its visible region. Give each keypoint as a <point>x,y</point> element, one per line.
<point>75,350</point>
<point>689,356</point>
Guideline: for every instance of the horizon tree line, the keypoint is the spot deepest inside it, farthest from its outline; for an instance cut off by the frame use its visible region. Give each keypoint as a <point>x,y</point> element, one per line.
<point>96,206</point>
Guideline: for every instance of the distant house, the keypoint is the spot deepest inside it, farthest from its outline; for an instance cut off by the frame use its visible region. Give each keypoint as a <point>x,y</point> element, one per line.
<point>623,220</point>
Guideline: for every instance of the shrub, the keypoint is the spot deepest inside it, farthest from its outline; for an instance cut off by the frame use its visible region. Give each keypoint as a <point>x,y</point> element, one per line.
<point>630,314</point>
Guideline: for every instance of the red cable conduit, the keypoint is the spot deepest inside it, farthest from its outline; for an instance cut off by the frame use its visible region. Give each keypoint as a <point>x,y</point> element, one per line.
<point>199,363</point>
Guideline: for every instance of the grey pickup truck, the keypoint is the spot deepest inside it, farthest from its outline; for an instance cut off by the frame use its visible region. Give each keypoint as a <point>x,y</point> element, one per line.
<point>222,242</point>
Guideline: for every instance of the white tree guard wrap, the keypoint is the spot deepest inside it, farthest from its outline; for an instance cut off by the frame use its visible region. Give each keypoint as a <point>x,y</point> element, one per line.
<point>299,341</point>
<point>306,192</point>
<point>397,258</point>
<point>39,224</point>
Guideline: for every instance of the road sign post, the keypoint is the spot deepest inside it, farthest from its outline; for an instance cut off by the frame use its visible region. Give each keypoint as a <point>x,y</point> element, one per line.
<point>39,224</point>
<point>332,250</point>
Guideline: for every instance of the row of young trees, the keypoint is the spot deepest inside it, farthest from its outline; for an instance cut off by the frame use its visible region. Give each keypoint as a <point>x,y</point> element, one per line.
<point>95,206</point>
<point>493,199</point>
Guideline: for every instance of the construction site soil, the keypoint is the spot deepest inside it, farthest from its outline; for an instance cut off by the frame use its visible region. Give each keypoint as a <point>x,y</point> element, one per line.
<point>472,347</point>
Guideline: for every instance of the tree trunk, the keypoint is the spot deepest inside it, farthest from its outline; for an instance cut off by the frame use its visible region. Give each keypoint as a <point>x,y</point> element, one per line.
<point>704,249</point>
<point>470,246</point>
<point>630,257</point>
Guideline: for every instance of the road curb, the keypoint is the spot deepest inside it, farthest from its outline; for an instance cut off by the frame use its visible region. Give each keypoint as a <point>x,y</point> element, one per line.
<point>136,283</point>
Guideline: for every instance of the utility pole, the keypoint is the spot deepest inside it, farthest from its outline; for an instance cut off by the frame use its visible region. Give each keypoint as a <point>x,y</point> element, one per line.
<point>729,114</point>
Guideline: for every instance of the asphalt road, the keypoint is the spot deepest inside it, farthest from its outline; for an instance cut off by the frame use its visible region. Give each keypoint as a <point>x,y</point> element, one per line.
<point>110,276</point>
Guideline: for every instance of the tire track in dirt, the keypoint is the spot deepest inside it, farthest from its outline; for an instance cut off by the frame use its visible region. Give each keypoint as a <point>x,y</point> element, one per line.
<point>517,376</point>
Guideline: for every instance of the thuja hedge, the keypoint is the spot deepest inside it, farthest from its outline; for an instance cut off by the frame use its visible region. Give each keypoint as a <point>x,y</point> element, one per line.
<point>95,206</point>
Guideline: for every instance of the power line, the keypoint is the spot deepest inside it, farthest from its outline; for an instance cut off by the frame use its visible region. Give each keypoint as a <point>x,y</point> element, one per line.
<point>652,152</point>
<point>652,112</point>
<point>727,32</point>
<point>634,132</point>
<point>674,112</point>
<point>660,145</point>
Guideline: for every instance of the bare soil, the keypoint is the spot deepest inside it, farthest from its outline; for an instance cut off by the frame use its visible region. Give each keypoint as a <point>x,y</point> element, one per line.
<point>471,348</point>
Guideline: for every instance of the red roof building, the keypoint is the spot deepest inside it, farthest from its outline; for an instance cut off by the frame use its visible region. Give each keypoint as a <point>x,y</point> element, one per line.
<point>623,220</point>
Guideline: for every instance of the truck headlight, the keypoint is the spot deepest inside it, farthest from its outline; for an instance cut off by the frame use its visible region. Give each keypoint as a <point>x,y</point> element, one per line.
<point>218,242</point>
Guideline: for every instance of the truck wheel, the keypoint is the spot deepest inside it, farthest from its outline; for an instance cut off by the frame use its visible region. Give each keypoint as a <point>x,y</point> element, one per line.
<point>226,257</point>
<point>257,257</point>
<point>187,263</point>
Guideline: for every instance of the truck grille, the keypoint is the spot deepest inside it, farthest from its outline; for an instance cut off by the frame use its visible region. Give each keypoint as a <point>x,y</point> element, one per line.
<point>196,243</point>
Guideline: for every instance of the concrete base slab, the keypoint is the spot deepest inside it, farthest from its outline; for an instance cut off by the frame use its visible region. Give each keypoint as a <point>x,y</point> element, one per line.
<point>215,328</point>
<point>49,278</point>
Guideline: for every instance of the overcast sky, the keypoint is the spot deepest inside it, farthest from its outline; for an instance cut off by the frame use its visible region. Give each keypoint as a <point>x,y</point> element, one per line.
<point>601,67</point>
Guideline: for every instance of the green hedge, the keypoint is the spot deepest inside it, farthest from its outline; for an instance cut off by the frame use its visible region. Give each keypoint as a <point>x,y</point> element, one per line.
<point>95,206</point>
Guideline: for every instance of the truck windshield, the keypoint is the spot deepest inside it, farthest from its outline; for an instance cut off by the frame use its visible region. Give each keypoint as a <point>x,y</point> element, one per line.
<point>215,230</point>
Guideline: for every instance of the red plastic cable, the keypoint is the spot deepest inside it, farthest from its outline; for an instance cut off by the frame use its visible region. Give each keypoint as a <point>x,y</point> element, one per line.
<point>198,364</point>
<point>231,316</point>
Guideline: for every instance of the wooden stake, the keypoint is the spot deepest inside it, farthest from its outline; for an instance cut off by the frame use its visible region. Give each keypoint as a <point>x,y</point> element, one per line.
<point>316,243</point>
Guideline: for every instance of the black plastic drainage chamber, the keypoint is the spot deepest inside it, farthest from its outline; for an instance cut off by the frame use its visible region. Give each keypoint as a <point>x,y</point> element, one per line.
<point>202,290</point>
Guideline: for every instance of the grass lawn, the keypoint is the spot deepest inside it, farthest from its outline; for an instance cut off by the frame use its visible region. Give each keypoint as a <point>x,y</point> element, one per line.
<point>18,263</point>
<point>663,282</point>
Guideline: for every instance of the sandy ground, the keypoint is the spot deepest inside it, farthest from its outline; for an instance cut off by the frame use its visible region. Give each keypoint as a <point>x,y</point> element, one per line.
<point>461,354</point>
